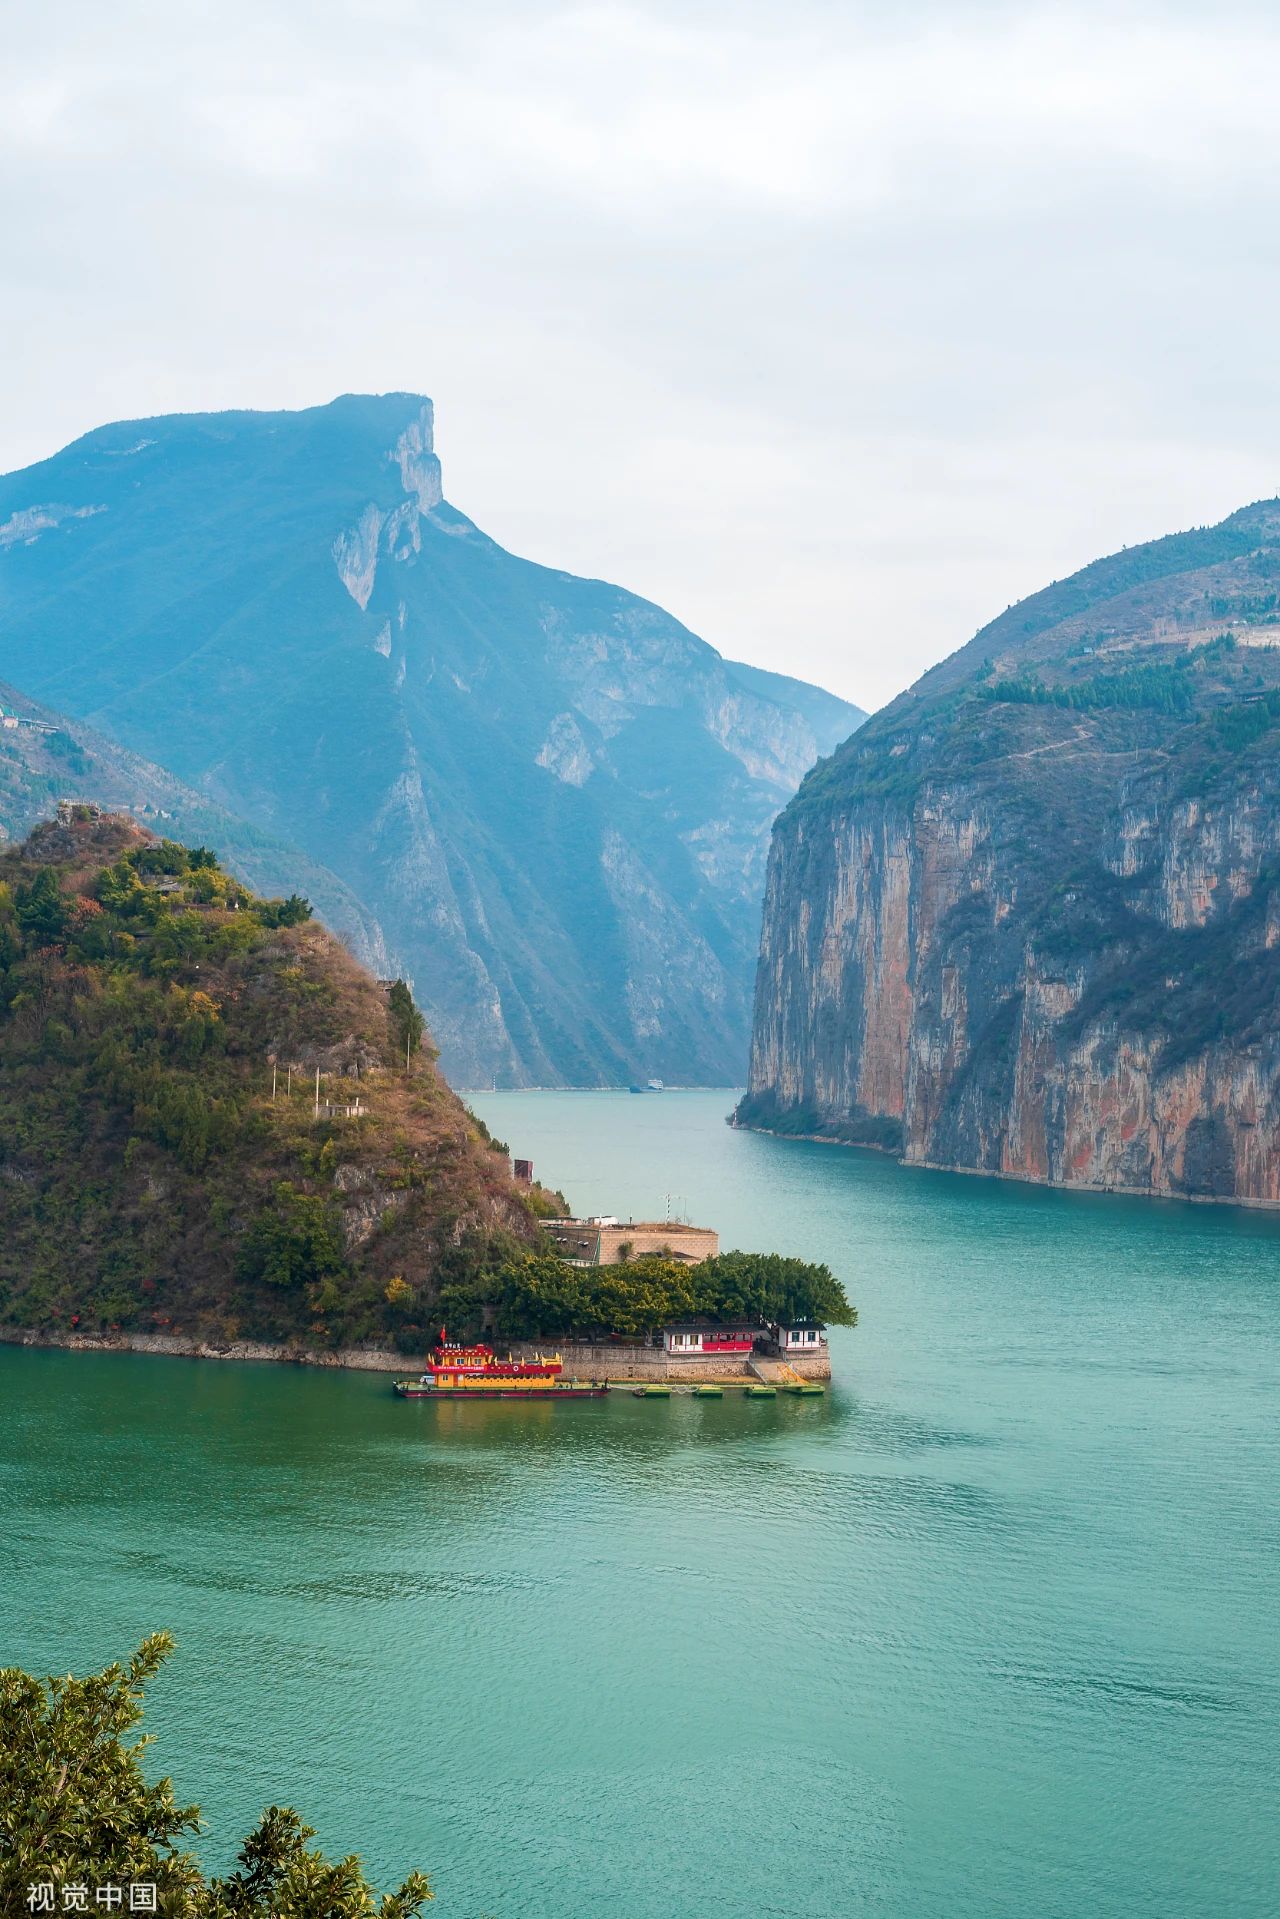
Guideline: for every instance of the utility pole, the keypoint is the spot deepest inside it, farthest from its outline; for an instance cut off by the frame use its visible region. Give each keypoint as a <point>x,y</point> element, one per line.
<point>317,1092</point>
<point>273,1082</point>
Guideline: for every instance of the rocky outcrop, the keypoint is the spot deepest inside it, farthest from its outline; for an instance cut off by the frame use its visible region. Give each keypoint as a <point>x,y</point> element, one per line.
<point>26,525</point>
<point>355,554</point>
<point>1030,925</point>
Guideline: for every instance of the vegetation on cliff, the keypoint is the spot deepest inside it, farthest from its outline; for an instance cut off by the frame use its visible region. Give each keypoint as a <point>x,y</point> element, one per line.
<point>79,1819</point>
<point>167,1163</point>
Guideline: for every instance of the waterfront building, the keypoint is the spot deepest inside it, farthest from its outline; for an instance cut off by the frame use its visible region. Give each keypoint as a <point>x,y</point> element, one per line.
<point>702,1338</point>
<point>804,1337</point>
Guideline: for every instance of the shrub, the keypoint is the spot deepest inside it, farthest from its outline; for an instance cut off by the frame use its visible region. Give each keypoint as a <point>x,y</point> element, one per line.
<point>76,1810</point>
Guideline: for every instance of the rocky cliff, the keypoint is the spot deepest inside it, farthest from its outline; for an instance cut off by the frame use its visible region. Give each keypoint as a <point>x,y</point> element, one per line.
<point>548,802</point>
<point>1027,921</point>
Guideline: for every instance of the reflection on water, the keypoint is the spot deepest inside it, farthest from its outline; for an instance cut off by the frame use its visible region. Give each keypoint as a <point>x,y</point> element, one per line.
<point>987,1632</point>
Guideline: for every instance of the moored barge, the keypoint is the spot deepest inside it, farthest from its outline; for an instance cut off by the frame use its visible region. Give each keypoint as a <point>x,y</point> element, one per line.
<point>476,1372</point>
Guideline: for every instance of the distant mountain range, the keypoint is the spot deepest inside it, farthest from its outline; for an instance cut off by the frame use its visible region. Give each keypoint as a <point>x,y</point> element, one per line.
<point>538,797</point>
<point>1027,920</point>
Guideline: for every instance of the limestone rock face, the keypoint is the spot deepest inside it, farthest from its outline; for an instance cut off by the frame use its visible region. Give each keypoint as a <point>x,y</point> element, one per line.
<point>540,799</point>
<point>1028,921</point>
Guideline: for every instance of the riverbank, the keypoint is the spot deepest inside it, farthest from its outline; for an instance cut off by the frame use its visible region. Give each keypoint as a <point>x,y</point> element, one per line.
<point>617,1362</point>
<point>1098,1188</point>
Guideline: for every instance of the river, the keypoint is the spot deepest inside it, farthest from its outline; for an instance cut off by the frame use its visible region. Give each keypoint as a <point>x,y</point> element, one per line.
<point>988,1633</point>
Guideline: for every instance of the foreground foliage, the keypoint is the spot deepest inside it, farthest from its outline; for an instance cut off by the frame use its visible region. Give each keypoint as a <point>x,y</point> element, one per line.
<point>78,1815</point>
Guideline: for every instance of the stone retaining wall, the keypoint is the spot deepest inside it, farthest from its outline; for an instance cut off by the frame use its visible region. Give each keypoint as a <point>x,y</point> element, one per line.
<point>612,1360</point>
<point>367,1359</point>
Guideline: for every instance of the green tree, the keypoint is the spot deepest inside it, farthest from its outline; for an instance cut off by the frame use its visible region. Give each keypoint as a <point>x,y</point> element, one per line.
<point>119,889</point>
<point>295,1242</point>
<point>76,1810</point>
<point>41,910</point>
<point>295,911</point>
<point>407,1023</point>
<point>170,856</point>
<point>536,1294</point>
<point>771,1287</point>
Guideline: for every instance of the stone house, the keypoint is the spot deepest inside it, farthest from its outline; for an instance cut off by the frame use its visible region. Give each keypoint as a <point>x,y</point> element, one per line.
<point>604,1240</point>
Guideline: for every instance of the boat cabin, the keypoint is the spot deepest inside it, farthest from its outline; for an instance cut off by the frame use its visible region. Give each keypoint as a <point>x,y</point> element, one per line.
<point>699,1338</point>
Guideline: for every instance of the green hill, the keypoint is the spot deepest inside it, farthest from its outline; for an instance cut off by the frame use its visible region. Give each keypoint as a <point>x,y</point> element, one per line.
<point>46,758</point>
<point>150,1178</point>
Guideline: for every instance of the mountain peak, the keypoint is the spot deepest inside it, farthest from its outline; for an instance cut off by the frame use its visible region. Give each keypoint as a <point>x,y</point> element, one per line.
<point>548,800</point>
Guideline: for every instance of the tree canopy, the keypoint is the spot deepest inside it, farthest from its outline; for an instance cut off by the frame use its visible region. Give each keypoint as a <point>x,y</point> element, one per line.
<point>77,1814</point>
<point>541,1295</point>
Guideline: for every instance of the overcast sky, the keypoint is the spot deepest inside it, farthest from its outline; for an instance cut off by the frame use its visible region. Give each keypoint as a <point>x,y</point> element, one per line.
<point>831,327</point>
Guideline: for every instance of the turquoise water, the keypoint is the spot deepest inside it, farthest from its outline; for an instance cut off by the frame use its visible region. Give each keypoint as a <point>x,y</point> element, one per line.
<point>989,1633</point>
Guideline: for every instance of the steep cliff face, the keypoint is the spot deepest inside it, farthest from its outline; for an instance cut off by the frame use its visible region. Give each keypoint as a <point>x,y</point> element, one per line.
<point>1027,922</point>
<point>549,800</point>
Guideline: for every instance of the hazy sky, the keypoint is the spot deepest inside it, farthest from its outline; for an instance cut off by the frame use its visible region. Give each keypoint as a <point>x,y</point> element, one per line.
<point>832,327</point>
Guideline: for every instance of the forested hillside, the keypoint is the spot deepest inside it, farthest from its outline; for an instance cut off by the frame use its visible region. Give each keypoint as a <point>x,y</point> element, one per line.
<point>163,1165</point>
<point>47,757</point>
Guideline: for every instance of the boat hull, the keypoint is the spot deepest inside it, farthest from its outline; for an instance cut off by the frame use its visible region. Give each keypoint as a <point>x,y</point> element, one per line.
<point>568,1389</point>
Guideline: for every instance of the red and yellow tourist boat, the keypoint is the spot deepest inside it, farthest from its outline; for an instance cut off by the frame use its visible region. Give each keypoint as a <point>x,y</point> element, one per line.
<point>475,1372</point>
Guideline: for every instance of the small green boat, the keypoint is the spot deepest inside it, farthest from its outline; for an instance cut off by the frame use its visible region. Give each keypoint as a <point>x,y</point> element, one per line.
<point>652,1392</point>
<point>806,1389</point>
<point>760,1392</point>
<point>708,1392</point>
